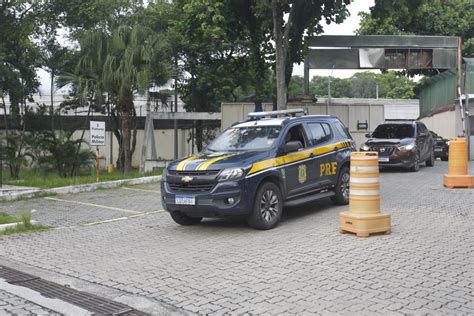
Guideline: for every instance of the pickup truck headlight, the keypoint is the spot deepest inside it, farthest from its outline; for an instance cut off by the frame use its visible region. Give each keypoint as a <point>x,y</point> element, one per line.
<point>407,147</point>
<point>364,147</point>
<point>163,174</point>
<point>231,174</point>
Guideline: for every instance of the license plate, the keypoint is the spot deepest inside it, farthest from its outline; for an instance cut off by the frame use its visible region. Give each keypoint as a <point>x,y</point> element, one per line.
<point>185,200</point>
<point>384,159</point>
<point>438,149</point>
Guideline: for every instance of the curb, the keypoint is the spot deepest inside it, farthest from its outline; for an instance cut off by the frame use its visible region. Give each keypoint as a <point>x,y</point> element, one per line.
<point>5,226</point>
<point>77,188</point>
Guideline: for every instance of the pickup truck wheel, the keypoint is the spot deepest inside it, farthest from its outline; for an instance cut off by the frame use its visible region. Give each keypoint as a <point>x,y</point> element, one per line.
<point>267,208</point>
<point>342,188</point>
<point>184,219</point>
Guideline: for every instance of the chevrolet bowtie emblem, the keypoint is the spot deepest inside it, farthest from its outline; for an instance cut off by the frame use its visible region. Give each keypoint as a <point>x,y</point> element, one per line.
<point>187,179</point>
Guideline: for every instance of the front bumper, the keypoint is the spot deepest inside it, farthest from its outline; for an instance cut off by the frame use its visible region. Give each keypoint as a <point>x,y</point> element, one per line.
<point>213,203</point>
<point>398,159</point>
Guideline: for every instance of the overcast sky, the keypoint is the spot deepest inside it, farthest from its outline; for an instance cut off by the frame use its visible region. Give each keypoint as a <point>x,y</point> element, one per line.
<point>347,28</point>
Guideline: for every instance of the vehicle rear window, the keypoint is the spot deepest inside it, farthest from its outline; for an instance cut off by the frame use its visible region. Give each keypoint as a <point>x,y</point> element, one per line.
<point>394,131</point>
<point>320,132</point>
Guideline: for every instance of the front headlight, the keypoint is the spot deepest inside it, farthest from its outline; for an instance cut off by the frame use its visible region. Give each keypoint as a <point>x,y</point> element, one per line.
<point>447,142</point>
<point>364,147</point>
<point>407,147</point>
<point>231,174</point>
<point>163,174</point>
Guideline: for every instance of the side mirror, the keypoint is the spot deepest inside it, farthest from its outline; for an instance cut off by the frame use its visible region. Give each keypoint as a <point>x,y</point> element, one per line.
<point>423,135</point>
<point>292,146</point>
<point>368,135</point>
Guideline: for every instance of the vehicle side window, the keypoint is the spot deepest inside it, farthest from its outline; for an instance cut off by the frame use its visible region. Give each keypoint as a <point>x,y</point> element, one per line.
<point>320,133</point>
<point>342,130</point>
<point>296,133</point>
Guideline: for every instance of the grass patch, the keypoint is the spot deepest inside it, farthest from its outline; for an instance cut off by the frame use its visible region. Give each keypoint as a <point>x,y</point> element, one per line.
<point>20,228</point>
<point>7,219</point>
<point>50,179</point>
<point>24,226</point>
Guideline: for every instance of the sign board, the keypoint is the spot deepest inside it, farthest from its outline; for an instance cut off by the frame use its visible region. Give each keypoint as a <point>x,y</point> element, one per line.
<point>97,133</point>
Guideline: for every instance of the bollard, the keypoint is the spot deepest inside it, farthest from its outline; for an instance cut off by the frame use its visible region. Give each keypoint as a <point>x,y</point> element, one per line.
<point>364,217</point>
<point>457,176</point>
<point>110,168</point>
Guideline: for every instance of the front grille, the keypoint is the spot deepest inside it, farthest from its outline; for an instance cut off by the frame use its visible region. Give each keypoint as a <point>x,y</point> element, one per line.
<point>383,150</point>
<point>193,173</point>
<point>188,187</point>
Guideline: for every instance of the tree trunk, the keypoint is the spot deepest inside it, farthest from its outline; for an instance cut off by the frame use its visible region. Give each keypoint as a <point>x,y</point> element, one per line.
<point>281,50</point>
<point>5,117</point>
<point>126,103</point>
<point>52,100</point>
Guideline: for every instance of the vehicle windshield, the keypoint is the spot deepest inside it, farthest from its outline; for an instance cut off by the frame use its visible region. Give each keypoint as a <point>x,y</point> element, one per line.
<point>246,138</point>
<point>394,131</point>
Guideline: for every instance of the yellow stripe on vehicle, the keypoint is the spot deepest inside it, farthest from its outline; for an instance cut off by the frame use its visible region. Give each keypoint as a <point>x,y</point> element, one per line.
<point>205,165</point>
<point>183,163</point>
<point>293,157</point>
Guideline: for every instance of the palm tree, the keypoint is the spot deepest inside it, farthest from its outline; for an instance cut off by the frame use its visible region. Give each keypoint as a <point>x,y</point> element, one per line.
<point>120,64</point>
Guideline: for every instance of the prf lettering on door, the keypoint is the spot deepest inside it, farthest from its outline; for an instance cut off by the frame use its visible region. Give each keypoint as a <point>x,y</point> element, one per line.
<point>328,169</point>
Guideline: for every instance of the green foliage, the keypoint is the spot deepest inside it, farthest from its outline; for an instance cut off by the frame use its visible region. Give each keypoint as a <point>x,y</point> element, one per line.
<point>391,85</point>
<point>16,152</point>
<point>7,219</point>
<point>46,179</point>
<point>422,17</point>
<point>58,151</point>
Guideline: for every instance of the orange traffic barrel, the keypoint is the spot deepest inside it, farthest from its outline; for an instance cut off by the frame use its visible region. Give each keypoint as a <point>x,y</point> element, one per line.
<point>364,217</point>
<point>457,176</point>
<point>364,193</point>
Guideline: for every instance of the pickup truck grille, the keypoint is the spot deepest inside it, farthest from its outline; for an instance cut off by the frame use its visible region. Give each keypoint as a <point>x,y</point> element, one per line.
<point>183,187</point>
<point>200,181</point>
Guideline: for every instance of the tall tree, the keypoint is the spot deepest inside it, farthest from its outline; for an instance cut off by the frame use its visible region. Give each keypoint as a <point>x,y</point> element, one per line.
<point>292,21</point>
<point>119,64</point>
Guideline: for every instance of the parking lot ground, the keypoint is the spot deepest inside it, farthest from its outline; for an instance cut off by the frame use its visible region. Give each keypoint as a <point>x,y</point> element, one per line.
<point>304,266</point>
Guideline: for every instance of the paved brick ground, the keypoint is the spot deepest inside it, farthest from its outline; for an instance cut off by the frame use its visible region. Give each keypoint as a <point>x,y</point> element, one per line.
<point>303,266</point>
<point>13,305</point>
<point>55,213</point>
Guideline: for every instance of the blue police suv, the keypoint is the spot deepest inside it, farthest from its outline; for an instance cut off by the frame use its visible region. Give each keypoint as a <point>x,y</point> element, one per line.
<point>256,167</point>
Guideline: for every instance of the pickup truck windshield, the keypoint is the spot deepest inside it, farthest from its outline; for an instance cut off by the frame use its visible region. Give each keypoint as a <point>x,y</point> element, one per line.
<point>394,131</point>
<point>246,138</point>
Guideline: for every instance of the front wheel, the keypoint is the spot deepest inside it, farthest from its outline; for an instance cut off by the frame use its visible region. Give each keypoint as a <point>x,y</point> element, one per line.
<point>342,188</point>
<point>184,219</point>
<point>416,163</point>
<point>431,161</point>
<point>267,208</point>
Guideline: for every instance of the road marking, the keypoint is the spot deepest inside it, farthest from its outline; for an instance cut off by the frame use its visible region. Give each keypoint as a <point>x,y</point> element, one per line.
<point>94,205</point>
<point>144,190</point>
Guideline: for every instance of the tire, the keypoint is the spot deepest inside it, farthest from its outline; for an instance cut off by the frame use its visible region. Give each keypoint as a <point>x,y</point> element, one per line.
<point>267,208</point>
<point>431,161</point>
<point>184,219</point>
<point>342,188</point>
<point>416,163</point>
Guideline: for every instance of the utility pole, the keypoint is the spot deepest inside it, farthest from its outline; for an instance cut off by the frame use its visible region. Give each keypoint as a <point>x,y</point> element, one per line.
<point>175,121</point>
<point>376,90</point>
<point>329,91</point>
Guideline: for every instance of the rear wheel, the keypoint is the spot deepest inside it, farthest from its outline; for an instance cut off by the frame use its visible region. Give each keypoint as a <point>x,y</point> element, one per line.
<point>267,208</point>
<point>342,188</point>
<point>431,161</point>
<point>184,219</point>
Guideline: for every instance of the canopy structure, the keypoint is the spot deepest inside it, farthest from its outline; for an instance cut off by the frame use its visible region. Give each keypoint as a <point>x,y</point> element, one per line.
<point>380,52</point>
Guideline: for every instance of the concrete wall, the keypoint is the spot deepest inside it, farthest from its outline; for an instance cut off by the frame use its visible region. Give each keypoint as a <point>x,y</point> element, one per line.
<point>164,142</point>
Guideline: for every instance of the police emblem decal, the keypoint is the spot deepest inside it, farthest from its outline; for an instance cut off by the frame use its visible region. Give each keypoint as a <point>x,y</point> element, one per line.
<point>302,175</point>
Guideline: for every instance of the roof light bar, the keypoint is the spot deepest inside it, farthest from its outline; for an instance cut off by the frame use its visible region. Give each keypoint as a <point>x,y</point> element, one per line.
<point>259,115</point>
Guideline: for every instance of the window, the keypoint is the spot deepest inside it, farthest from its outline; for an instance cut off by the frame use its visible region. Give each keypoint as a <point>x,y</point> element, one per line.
<point>319,132</point>
<point>246,138</point>
<point>296,133</point>
<point>342,130</point>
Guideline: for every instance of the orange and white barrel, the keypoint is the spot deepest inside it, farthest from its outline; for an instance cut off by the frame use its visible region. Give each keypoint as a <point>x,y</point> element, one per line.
<point>457,163</point>
<point>364,193</point>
